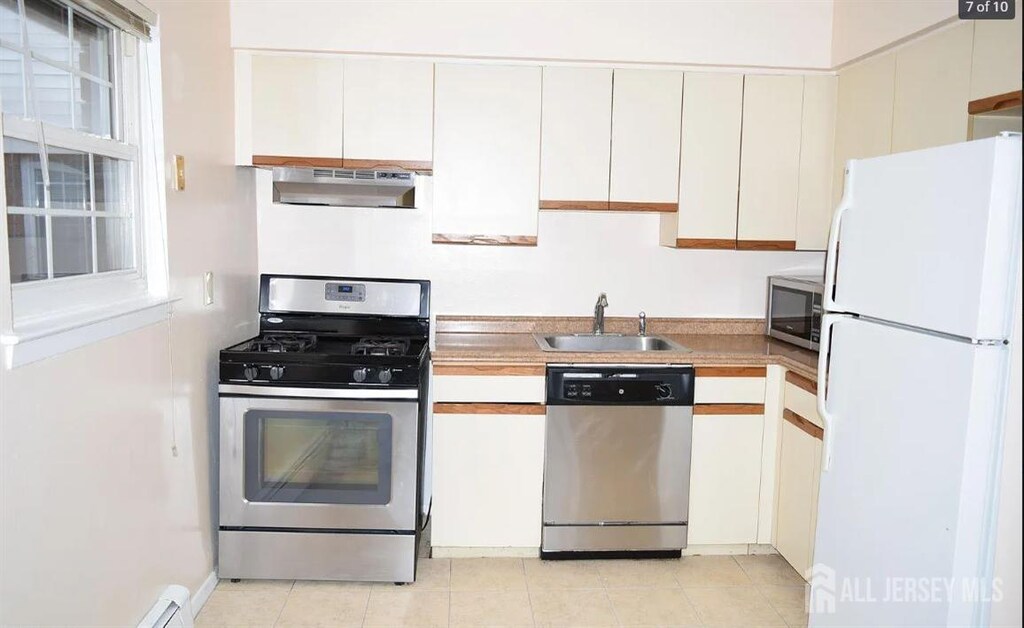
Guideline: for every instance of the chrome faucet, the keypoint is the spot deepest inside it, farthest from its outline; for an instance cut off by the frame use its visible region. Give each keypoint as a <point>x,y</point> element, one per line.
<point>602,302</point>
<point>643,323</point>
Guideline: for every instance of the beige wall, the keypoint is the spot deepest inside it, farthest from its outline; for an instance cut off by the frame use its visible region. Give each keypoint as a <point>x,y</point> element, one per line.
<point>860,27</point>
<point>98,514</point>
<point>775,33</point>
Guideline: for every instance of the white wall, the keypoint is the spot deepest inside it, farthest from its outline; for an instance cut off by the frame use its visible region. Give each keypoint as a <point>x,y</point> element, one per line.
<point>860,27</point>
<point>97,515</point>
<point>579,254</point>
<point>773,33</point>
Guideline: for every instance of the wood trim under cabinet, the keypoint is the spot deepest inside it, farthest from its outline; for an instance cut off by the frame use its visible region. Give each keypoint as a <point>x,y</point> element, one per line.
<point>808,427</point>
<point>994,103</point>
<point>489,240</point>
<point>423,167</point>
<point>490,408</point>
<point>640,206</point>
<point>599,206</point>
<point>720,244</point>
<point>489,369</point>
<point>298,162</point>
<point>731,371</point>
<point>800,381</point>
<point>765,245</point>
<point>728,408</point>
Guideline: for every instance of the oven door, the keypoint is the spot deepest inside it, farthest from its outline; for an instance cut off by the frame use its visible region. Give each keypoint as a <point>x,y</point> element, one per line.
<point>794,315</point>
<point>299,462</point>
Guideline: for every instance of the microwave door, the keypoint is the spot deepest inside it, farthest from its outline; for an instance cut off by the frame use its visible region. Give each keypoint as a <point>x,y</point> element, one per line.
<point>792,313</point>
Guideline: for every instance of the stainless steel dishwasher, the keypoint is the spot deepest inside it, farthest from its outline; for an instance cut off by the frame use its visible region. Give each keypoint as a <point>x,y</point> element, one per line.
<point>617,460</point>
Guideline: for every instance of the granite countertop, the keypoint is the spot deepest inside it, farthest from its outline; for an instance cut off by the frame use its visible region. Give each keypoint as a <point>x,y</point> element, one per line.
<point>718,342</point>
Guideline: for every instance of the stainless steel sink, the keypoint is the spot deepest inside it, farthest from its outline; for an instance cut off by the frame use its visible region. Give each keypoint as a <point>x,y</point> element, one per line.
<point>583,343</point>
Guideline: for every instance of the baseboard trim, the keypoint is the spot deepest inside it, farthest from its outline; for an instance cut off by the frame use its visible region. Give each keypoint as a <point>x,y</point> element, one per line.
<point>484,552</point>
<point>737,549</point>
<point>203,593</point>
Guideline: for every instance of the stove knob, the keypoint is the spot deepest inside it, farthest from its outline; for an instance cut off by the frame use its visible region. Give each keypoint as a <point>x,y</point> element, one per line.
<point>250,372</point>
<point>384,376</point>
<point>359,375</point>
<point>277,371</point>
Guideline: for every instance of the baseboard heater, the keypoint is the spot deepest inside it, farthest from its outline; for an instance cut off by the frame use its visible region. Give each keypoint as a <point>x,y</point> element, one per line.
<point>172,610</point>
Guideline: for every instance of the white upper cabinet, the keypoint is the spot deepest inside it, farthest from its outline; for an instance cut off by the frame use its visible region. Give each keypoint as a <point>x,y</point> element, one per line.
<point>817,148</point>
<point>296,106</point>
<point>388,107</point>
<point>996,62</point>
<point>770,162</point>
<point>486,153</point>
<point>575,138</point>
<point>933,78</point>
<point>646,109</point>
<point>863,114</point>
<point>709,164</point>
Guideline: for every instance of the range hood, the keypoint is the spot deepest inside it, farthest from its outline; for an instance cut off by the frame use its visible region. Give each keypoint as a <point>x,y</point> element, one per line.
<point>343,187</point>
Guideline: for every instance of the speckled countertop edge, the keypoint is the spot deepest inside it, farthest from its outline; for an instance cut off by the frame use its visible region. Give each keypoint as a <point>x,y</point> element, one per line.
<point>727,342</point>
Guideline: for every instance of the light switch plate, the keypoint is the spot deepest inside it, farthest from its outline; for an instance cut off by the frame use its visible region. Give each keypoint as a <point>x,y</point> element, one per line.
<point>208,288</point>
<point>179,172</point>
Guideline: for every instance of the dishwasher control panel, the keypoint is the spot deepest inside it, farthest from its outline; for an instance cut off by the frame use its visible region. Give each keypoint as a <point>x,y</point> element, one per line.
<point>620,385</point>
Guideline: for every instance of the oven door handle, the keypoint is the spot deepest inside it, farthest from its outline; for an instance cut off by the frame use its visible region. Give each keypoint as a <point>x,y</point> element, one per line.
<point>399,394</point>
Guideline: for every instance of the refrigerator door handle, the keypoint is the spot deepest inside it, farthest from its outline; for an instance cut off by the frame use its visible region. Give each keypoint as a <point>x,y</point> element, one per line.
<point>827,418</point>
<point>832,251</point>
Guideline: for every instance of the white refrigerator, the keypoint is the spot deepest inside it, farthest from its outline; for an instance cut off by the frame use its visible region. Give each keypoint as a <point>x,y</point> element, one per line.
<point>922,272</point>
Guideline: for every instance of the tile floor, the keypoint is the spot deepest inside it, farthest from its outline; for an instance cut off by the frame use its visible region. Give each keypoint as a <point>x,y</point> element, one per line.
<point>693,591</point>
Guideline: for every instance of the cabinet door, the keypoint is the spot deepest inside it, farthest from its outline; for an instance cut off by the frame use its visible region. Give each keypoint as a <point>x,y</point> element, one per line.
<point>709,164</point>
<point>996,62</point>
<point>933,78</point>
<point>646,110</point>
<point>817,148</point>
<point>486,154</point>
<point>769,162</point>
<point>725,477</point>
<point>297,107</point>
<point>575,138</point>
<point>796,512</point>
<point>389,113</point>
<point>863,114</point>
<point>488,473</point>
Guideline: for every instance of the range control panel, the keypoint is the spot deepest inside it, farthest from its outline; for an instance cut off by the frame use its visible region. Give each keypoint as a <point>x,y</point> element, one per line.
<point>633,385</point>
<point>345,292</point>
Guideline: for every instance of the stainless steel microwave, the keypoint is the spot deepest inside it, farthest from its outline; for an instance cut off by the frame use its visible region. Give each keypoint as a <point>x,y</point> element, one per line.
<point>794,309</point>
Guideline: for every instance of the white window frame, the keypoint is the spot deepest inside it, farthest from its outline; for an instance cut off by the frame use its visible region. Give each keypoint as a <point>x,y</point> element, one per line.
<point>44,317</point>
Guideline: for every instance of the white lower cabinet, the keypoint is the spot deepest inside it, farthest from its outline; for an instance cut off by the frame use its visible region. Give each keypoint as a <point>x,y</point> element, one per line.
<point>798,474</point>
<point>488,473</point>
<point>725,478</point>
<point>799,463</point>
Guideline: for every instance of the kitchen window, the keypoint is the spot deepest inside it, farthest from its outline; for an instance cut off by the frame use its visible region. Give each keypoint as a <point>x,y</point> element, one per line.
<point>77,100</point>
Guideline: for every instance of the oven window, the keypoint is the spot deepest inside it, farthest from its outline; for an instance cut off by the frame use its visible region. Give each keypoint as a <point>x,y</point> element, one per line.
<point>791,311</point>
<point>317,457</point>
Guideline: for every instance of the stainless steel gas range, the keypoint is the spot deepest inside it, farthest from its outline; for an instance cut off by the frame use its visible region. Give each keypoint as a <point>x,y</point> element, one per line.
<point>321,432</point>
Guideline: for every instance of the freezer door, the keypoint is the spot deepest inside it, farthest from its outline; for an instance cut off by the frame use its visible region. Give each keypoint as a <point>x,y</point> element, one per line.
<point>930,238</point>
<point>904,506</point>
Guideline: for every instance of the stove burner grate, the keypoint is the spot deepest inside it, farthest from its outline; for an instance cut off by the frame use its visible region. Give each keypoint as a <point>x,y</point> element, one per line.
<point>284,343</point>
<point>381,345</point>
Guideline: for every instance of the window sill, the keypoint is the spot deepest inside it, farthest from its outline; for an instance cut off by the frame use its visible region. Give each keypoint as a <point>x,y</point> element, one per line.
<point>52,336</point>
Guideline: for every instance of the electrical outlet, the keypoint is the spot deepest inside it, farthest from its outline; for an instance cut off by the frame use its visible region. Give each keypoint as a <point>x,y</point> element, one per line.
<point>208,288</point>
